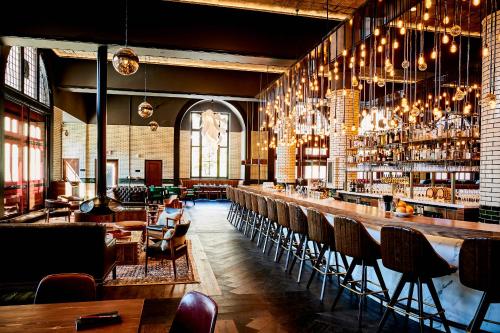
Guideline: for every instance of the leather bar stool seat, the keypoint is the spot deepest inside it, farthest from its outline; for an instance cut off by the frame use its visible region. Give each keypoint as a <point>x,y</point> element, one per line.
<point>479,263</point>
<point>353,240</point>
<point>230,196</point>
<point>243,211</point>
<point>249,217</point>
<point>284,231</point>
<point>271,233</point>
<point>322,233</point>
<point>263,219</point>
<point>407,251</point>
<point>257,221</point>
<point>298,239</point>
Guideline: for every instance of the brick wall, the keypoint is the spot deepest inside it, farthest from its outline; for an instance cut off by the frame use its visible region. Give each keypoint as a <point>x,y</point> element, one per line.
<point>285,163</point>
<point>344,110</point>
<point>57,145</point>
<point>185,155</point>
<point>81,143</point>
<point>235,167</point>
<point>490,134</point>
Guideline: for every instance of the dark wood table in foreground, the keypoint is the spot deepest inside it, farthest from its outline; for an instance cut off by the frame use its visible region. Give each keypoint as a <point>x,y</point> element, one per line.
<point>60,317</point>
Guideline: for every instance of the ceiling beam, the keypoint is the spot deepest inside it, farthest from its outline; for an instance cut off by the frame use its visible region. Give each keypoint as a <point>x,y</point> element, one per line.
<point>269,8</point>
<point>160,94</point>
<point>168,57</point>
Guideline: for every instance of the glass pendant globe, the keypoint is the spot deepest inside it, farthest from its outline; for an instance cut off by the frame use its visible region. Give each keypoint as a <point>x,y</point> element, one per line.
<point>459,94</point>
<point>415,111</point>
<point>405,64</point>
<point>153,125</point>
<point>455,30</point>
<point>422,66</point>
<point>381,82</point>
<point>125,61</point>
<point>490,100</point>
<point>145,110</point>
<point>467,109</point>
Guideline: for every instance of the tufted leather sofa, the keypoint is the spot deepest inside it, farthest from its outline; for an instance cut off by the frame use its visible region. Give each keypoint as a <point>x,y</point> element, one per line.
<point>130,194</point>
<point>29,252</point>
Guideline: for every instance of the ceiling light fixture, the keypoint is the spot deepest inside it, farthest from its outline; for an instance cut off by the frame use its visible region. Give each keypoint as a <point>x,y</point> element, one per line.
<point>125,61</point>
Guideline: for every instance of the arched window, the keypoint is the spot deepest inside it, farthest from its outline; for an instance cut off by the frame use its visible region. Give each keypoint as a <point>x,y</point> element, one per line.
<point>209,159</point>
<point>26,73</point>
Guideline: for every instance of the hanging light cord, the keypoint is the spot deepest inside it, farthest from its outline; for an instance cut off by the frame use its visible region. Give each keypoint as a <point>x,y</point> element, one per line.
<point>126,23</point>
<point>145,80</point>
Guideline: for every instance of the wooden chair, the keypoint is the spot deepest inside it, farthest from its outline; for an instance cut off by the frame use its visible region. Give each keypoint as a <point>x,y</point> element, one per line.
<point>66,287</point>
<point>197,313</point>
<point>55,208</point>
<point>158,230</point>
<point>171,247</point>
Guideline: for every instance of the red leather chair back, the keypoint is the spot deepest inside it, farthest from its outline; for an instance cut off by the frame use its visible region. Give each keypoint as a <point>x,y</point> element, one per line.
<point>197,313</point>
<point>66,287</point>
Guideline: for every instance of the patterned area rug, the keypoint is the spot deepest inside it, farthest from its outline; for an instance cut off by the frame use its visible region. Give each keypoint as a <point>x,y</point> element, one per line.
<point>159,272</point>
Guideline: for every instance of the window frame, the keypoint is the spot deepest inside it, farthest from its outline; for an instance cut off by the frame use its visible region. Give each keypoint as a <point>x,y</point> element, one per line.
<point>40,73</point>
<point>200,148</point>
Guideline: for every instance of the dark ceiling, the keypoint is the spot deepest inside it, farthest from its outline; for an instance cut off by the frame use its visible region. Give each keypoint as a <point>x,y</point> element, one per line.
<point>167,25</point>
<point>160,27</point>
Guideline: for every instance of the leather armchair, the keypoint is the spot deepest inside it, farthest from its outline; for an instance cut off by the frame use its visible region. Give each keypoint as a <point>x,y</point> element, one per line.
<point>172,247</point>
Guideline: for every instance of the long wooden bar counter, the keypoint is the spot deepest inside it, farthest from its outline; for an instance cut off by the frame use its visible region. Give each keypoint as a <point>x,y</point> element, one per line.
<point>446,237</point>
<point>374,217</point>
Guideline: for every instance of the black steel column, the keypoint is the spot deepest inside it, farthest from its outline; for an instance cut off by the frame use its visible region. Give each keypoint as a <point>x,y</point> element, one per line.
<point>102,66</point>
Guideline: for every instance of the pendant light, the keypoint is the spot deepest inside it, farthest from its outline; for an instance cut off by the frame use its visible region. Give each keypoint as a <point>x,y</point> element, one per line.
<point>125,60</point>
<point>153,125</point>
<point>145,109</point>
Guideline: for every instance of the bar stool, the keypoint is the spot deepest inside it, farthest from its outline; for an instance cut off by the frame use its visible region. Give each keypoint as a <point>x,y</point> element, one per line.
<point>250,216</point>
<point>255,223</point>
<point>480,270</point>
<point>298,225</point>
<point>406,250</point>
<point>229,196</point>
<point>353,240</point>
<point>233,211</point>
<point>284,231</point>
<point>242,209</point>
<point>264,222</point>
<point>272,225</point>
<point>322,233</point>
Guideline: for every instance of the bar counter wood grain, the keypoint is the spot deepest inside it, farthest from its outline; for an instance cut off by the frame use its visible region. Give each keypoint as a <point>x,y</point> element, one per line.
<point>374,217</point>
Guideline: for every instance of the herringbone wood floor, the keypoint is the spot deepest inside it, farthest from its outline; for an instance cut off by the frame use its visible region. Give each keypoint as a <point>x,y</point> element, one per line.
<point>253,293</point>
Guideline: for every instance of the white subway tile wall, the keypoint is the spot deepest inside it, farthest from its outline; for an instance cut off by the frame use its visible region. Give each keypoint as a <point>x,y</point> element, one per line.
<point>344,109</point>
<point>144,144</point>
<point>285,163</point>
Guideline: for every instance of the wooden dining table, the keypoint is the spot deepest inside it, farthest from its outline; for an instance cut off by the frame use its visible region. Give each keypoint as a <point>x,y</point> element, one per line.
<point>60,317</point>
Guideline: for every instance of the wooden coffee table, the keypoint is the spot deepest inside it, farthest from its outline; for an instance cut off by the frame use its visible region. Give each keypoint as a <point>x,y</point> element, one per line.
<point>133,226</point>
<point>127,252</point>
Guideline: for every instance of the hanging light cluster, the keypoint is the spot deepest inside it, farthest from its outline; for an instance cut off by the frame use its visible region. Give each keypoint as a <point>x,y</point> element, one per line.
<point>298,106</point>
